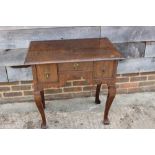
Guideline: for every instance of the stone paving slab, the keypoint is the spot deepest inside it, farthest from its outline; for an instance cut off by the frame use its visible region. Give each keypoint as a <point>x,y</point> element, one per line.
<point>128,111</point>
<point>3,74</point>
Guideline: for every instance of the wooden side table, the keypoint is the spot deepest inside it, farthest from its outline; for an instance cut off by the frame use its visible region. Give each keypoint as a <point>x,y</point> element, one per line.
<point>54,62</point>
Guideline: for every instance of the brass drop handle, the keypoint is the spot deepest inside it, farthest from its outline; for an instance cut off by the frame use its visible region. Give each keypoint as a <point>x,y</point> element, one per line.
<point>76,65</point>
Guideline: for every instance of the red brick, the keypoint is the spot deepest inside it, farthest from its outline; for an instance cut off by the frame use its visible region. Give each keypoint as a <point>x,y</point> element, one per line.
<point>23,87</point>
<point>26,82</point>
<point>28,93</point>
<point>4,89</point>
<point>102,92</point>
<point>12,94</point>
<point>58,96</point>
<point>147,83</point>
<point>151,77</point>
<point>128,85</point>
<point>147,73</point>
<point>53,91</point>
<point>68,83</point>
<point>73,89</point>
<point>122,79</point>
<point>79,83</point>
<point>96,81</point>
<point>122,91</point>
<point>32,86</point>
<point>89,88</point>
<point>81,94</point>
<point>147,89</point>
<point>67,95</point>
<point>131,74</point>
<point>141,89</point>
<point>9,83</point>
<point>133,90</point>
<point>118,85</point>
<point>138,78</point>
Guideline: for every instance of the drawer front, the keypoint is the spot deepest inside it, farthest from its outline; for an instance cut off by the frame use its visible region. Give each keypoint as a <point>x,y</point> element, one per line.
<point>47,73</point>
<point>103,69</point>
<point>77,66</point>
<point>75,75</point>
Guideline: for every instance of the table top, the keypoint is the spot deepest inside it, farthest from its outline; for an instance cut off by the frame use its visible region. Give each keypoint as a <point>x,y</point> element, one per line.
<point>73,50</point>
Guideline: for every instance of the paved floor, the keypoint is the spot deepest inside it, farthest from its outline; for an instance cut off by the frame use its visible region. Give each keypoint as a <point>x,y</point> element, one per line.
<point>128,111</point>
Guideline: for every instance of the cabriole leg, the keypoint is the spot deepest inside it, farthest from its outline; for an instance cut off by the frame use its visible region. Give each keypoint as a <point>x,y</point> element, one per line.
<point>110,98</point>
<point>97,99</point>
<point>43,98</point>
<point>38,101</point>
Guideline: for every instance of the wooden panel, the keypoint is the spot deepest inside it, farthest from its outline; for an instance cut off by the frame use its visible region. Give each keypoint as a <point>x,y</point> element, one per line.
<point>23,27</point>
<point>150,50</point>
<point>12,57</point>
<point>118,34</point>
<point>131,50</point>
<point>103,69</point>
<point>136,65</point>
<point>21,38</point>
<point>81,66</point>
<point>74,50</point>
<point>47,73</point>
<point>19,74</point>
<point>51,45</point>
<point>3,75</point>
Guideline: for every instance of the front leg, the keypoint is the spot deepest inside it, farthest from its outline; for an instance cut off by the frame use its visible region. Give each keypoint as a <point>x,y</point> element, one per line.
<point>39,104</point>
<point>43,98</point>
<point>97,98</point>
<point>110,98</point>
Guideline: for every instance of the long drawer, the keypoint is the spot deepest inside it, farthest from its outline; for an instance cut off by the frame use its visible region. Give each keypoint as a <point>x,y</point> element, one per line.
<point>77,66</point>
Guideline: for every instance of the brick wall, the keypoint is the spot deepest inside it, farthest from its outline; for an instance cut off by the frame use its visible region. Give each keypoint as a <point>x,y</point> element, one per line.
<point>126,83</point>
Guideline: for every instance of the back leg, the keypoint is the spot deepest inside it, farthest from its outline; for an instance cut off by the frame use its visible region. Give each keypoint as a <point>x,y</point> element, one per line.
<point>97,99</point>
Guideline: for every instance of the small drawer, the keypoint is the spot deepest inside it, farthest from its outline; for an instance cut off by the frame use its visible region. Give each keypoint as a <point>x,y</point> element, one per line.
<point>47,73</point>
<point>77,66</point>
<point>103,69</point>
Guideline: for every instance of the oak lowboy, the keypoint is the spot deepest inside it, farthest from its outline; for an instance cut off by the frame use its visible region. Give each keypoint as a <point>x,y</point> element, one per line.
<point>54,62</point>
